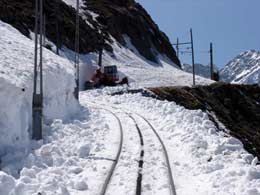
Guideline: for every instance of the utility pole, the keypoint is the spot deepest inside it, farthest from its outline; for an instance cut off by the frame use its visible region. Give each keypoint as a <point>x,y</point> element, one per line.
<point>37,104</point>
<point>43,24</point>
<point>193,60</point>
<point>178,44</point>
<point>57,21</point>
<point>100,56</point>
<point>76,91</point>
<point>44,29</point>
<point>177,48</point>
<point>211,62</point>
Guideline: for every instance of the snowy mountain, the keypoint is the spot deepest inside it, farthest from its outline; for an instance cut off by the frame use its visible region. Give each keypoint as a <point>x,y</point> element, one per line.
<point>243,69</point>
<point>200,69</point>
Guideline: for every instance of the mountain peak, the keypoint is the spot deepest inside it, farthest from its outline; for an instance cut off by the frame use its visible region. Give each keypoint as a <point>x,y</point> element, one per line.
<point>243,69</point>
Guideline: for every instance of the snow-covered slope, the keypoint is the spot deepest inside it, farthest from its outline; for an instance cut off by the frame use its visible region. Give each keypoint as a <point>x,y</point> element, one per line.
<point>16,80</point>
<point>200,69</point>
<point>243,69</point>
<point>144,73</point>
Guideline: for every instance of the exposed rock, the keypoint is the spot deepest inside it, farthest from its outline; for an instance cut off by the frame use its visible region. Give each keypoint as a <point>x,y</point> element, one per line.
<point>125,17</point>
<point>236,106</point>
<point>21,15</point>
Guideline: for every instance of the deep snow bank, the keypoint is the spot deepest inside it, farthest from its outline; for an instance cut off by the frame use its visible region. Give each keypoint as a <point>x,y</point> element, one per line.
<point>236,106</point>
<point>16,76</point>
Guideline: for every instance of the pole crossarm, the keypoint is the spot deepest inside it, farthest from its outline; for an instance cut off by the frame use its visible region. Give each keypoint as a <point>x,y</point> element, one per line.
<point>186,43</point>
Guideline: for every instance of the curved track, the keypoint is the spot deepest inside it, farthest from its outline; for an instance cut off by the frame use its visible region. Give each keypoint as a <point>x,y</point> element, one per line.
<point>171,181</point>
<point>141,159</point>
<point>111,171</point>
<point>141,162</point>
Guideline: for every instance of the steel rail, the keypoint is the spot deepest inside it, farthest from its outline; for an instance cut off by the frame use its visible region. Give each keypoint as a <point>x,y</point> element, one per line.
<point>170,176</point>
<point>171,181</point>
<point>141,159</point>
<point>112,169</point>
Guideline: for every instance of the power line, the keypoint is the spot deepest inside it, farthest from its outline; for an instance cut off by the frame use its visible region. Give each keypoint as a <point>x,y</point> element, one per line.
<point>187,51</point>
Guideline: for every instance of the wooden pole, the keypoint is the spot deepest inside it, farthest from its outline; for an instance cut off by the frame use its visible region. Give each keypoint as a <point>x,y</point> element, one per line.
<point>44,29</point>
<point>36,45</point>
<point>177,48</point>
<point>41,45</point>
<point>193,60</point>
<point>77,52</point>
<point>101,45</point>
<point>211,62</point>
<point>57,12</point>
<point>100,57</point>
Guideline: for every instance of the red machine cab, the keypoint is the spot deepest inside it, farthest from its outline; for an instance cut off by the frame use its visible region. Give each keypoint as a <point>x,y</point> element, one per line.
<point>111,72</point>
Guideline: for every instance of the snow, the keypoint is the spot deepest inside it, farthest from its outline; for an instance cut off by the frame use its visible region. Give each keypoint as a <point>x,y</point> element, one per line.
<point>61,165</point>
<point>7,182</point>
<point>73,3</point>
<point>243,69</point>
<point>204,161</point>
<point>16,80</point>
<point>140,71</point>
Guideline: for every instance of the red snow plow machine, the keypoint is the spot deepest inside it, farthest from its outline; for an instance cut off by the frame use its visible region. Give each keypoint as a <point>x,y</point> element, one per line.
<point>106,76</point>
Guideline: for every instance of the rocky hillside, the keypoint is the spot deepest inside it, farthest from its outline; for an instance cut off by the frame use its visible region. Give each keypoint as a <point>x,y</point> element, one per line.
<point>235,106</point>
<point>243,69</point>
<point>119,18</point>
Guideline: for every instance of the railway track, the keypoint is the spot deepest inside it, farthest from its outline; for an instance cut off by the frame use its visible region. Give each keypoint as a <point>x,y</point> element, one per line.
<point>141,159</point>
<point>112,169</point>
<point>170,176</point>
<point>133,116</point>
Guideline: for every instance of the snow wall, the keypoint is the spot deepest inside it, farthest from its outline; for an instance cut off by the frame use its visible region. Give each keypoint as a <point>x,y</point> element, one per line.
<point>16,84</point>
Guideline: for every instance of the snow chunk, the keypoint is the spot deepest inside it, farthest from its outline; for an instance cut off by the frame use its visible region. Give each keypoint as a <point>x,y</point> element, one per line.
<point>81,185</point>
<point>84,150</point>
<point>7,183</point>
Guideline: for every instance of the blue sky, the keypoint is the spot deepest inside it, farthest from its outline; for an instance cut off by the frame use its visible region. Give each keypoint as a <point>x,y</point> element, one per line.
<point>232,25</point>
